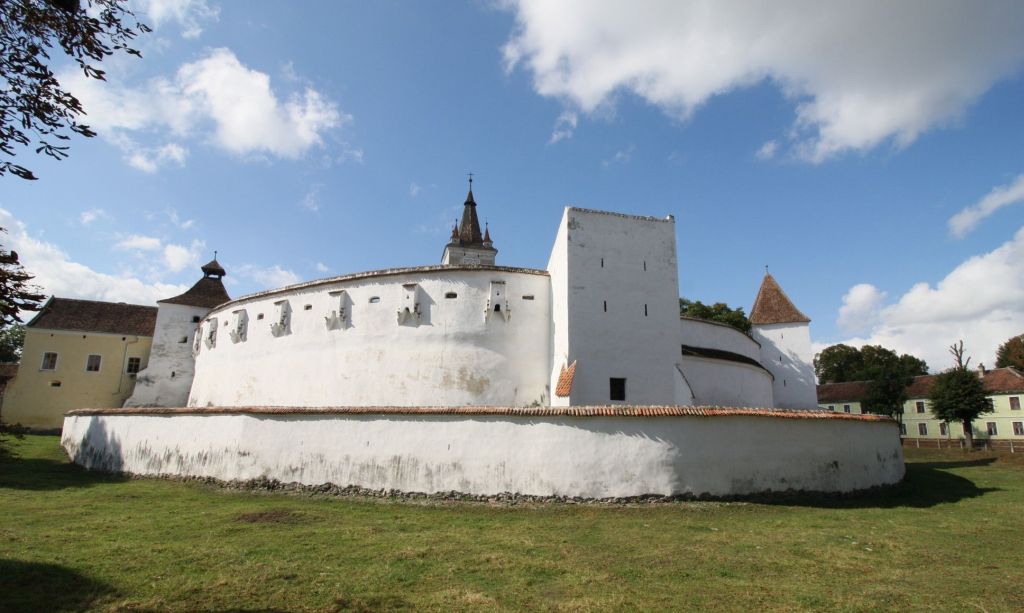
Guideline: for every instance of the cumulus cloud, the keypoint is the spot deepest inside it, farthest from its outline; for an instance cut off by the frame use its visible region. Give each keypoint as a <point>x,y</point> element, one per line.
<point>179,257</point>
<point>980,301</point>
<point>862,73</point>
<point>87,217</point>
<point>58,275</point>
<point>138,242</point>
<point>860,307</point>
<point>622,156</point>
<point>218,97</point>
<point>190,15</point>
<point>321,267</point>
<point>969,217</point>
<point>268,278</point>
<point>311,201</point>
<point>565,125</point>
<point>768,150</point>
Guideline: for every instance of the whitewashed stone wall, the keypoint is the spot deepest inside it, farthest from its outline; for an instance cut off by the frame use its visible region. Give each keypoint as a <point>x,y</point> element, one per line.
<point>593,457</point>
<point>618,278</point>
<point>167,379</point>
<point>786,352</point>
<point>721,382</point>
<point>442,351</point>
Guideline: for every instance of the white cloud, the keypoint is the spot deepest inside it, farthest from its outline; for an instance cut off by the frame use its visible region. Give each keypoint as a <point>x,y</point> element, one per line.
<point>178,257</point>
<point>58,275</point>
<point>860,307</point>
<point>565,125</point>
<point>138,242</point>
<point>218,97</point>
<point>311,201</point>
<point>969,217</point>
<point>862,73</point>
<point>87,217</point>
<point>980,301</point>
<point>621,157</point>
<point>768,150</point>
<point>172,215</point>
<point>190,15</point>
<point>268,278</point>
<point>414,189</point>
<point>321,267</point>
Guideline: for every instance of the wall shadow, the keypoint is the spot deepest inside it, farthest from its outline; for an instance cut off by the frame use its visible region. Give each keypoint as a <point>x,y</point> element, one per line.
<point>36,586</point>
<point>925,485</point>
<point>43,474</point>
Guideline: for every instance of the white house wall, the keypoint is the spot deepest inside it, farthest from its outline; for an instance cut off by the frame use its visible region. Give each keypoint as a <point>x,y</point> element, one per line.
<point>167,379</point>
<point>553,455</point>
<point>558,269</point>
<point>786,352</point>
<point>455,351</point>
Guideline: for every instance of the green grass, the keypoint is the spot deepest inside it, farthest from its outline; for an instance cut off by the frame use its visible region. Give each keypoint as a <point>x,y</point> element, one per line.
<point>949,538</point>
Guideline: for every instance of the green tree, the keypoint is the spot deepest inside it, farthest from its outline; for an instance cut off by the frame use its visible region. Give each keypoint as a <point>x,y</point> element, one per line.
<point>12,338</point>
<point>959,395</point>
<point>888,378</point>
<point>35,111</point>
<point>838,363</point>
<point>16,294</point>
<point>719,311</point>
<point>1011,353</point>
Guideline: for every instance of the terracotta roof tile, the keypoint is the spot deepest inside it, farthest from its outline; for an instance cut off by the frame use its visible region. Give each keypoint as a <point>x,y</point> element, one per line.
<point>565,378</point>
<point>773,306</point>
<point>848,391</point>
<point>587,411</point>
<point>997,381</point>
<point>94,316</point>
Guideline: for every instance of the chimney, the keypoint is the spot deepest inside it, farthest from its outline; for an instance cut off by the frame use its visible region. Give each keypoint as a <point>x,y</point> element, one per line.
<point>981,371</point>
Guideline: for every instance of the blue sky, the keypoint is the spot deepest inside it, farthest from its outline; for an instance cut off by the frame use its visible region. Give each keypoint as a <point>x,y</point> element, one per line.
<point>870,155</point>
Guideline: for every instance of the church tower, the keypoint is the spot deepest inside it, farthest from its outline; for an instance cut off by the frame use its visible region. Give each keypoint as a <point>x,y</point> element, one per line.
<point>785,337</point>
<point>167,379</point>
<point>467,246</point>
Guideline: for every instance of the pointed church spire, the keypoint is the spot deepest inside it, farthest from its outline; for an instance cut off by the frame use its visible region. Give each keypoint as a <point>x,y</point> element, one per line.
<point>487,234</point>
<point>467,245</point>
<point>469,228</point>
<point>773,306</point>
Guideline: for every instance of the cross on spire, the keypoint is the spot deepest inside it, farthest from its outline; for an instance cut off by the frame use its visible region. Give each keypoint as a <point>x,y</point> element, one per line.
<point>470,181</point>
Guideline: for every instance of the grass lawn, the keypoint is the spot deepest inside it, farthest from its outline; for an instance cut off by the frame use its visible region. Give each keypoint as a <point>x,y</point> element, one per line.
<point>951,537</point>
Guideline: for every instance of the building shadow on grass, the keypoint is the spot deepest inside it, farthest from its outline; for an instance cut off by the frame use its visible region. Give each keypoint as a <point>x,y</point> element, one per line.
<point>42,474</point>
<point>926,484</point>
<point>37,586</point>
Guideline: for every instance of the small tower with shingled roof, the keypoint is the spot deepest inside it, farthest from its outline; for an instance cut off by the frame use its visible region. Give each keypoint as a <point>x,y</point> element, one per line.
<point>467,245</point>
<point>785,337</point>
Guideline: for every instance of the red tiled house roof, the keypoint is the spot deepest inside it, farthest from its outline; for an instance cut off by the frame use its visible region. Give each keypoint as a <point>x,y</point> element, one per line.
<point>94,316</point>
<point>998,381</point>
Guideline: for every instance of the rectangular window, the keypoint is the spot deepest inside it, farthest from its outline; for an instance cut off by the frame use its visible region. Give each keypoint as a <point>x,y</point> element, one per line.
<point>1018,428</point>
<point>922,429</point>
<point>616,388</point>
<point>846,408</point>
<point>903,429</point>
<point>49,361</point>
<point>134,365</point>
<point>1014,403</point>
<point>831,407</point>
<point>92,363</point>
<point>920,406</point>
<point>991,427</point>
<point>943,428</point>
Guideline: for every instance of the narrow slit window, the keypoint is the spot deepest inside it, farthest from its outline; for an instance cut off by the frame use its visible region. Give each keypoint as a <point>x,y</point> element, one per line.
<point>602,262</point>
<point>528,297</point>
<point>645,265</point>
<point>308,307</point>
<point>259,316</point>
<point>451,295</point>
<point>374,299</point>
<point>605,306</point>
<point>196,319</point>
<point>645,310</point>
<point>497,308</point>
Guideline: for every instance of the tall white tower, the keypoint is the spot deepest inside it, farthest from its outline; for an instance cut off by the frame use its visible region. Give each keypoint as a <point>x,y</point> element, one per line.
<point>785,337</point>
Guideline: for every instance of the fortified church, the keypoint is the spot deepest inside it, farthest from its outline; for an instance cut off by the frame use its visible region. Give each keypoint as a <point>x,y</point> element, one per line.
<point>599,326</point>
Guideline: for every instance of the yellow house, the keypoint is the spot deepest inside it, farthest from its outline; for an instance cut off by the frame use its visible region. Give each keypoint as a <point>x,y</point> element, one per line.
<point>77,354</point>
<point>1003,428</point>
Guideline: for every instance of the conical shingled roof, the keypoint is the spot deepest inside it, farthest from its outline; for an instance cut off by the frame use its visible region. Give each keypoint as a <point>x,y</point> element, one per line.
<point>469,227</point>
<point>773,306</point>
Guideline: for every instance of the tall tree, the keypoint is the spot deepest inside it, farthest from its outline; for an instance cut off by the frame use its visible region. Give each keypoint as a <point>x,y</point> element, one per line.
<point>719,311</point>
<point>35,111</point>
<point>959,395</point>
<point>16,293</point>
<point>12,339</point>
<point>1011,353</point>
<point>840,363</point>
